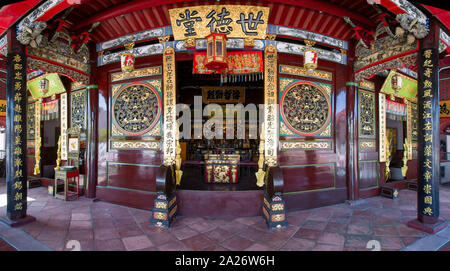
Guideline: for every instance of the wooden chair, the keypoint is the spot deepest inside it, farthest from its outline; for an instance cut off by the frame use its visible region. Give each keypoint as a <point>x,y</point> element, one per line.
<point>70,174</point>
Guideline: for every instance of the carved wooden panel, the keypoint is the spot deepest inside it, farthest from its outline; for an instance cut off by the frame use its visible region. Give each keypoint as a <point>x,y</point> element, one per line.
<point>136,109</point>
<point>305,108</point>
<point>78,101</point>
<point>367,126</point>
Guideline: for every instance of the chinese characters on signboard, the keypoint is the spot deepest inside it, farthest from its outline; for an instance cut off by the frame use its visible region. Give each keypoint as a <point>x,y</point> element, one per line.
<point>233,20</point>
<point>426,167</point>
<point>223,95</point>
<point>19,169</point>
<point>170,122</point>
<point>271,107</point>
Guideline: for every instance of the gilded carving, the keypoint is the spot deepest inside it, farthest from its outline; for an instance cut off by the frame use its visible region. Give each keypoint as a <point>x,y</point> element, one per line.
<point>118,76</point>
<point>135,145</point>
<point>367,145</point>
<point>305,108</point>
<point>367,85</point>
<point>300,71</point>
<point>306,145</point>
<point>284,130</point>
<point>366,114</point>
<point>78,102</point>
<point>136,109</point>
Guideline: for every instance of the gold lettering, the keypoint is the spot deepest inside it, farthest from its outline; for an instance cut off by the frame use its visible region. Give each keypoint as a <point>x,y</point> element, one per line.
<point>427,93</point>
<point>18,196</point>
<point>428,200</point>
<point>427,84</point>
<point>427,72</point>
<point>427,63</point>
<point>427,188</point>
<point>17,66</point>
<point>428,150</point>
<point>18,206</point>
<point>18,76</point>
<point>427,211</point>
<point>17,85</point>
<point>427,53</point>
<point>427,175</point>
<point>18,185</point>
<point>427,163</point>
<point>427,104</point>
<point>17,58</point>
<point>18,162</point>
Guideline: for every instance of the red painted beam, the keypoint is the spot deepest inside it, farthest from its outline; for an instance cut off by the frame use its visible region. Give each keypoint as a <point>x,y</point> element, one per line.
<point>140,5</point>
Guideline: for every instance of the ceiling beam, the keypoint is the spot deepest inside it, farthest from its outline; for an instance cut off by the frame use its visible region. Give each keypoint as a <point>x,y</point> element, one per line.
<point>140,5</point>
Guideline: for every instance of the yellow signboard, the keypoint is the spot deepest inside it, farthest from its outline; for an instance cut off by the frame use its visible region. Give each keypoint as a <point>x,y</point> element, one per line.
<point>444,111</point>
<point>235,21</point>
<point>55,85</point>
<point>408,90</point>
<point>2,108</point>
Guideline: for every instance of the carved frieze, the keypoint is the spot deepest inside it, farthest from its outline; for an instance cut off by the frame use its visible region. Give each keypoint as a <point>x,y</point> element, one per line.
<point>300,71</point>
<point>306,145</point>
<point>135,145</point>
<point>150,71</point>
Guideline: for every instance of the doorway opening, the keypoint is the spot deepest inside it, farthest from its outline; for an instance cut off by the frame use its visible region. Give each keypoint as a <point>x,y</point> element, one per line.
<point>218,164</point>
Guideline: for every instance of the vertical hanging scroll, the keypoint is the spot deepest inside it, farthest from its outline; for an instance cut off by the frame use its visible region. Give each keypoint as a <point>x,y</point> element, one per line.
<point>409,129</point>
<point>170,122</point>
<point>382,123</point>
<point>271,108</point>
<point>37,135</point>
<point>64,126</point>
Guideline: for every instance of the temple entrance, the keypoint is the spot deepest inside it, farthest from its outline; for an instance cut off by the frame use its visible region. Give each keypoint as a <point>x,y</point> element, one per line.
<point>50,131</point>
<point>396,136</point>
<point>218,164</point>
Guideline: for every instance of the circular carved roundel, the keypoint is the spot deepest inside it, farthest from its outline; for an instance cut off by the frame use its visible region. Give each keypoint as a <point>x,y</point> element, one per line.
<point>136,109</point>
<point>305,108</point>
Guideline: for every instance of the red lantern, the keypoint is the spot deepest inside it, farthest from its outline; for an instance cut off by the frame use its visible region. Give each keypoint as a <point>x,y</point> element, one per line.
<point>216,52</point>
<point>127,62</point>
<point>310,60</point>
<point>396,83</point>
<point>44,85</point>
<point>127,58</point>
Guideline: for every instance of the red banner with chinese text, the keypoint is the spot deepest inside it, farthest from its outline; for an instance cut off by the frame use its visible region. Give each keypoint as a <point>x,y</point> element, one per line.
<point>238,63</point>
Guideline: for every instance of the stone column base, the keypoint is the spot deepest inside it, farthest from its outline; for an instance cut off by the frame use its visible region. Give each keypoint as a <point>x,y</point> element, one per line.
<point>274,211</point>
<point>164,210</point>
<point>429,228</point>
<point>17,223</point>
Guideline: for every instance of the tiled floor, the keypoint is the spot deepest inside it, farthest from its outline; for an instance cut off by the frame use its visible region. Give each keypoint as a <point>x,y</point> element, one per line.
<point>5,246</point>
<point>104,226</point>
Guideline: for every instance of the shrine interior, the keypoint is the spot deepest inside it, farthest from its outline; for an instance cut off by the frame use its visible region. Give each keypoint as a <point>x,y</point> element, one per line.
<point>196,152</point>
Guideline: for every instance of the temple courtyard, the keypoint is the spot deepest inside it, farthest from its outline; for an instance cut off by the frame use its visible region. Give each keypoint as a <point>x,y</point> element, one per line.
<point>101,226</point>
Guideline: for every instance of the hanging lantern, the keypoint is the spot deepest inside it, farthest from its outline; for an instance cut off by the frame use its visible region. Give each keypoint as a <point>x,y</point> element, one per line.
<point>44,84</point>
<point>396,83</point>
<point>310,57</point>
<point>127,59</point>
<point>216,52</point>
